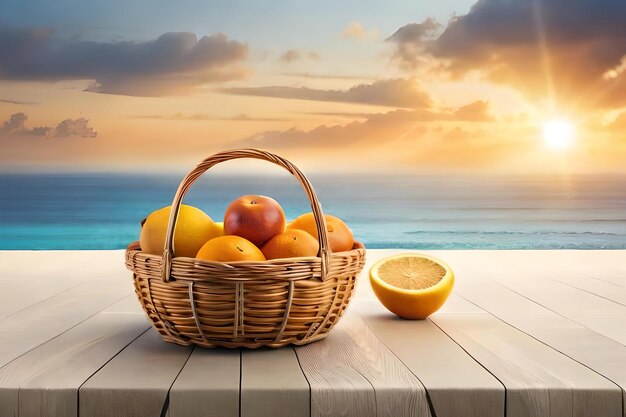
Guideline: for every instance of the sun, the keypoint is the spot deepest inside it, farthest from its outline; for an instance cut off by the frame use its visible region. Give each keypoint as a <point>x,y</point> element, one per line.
<point>558,134</point>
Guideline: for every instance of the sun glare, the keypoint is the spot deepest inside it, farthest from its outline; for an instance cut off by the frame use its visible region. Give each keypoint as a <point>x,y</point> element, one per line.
<point>558,134</point>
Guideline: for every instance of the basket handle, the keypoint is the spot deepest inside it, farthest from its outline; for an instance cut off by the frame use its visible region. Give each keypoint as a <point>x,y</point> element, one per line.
<point>202,167</point>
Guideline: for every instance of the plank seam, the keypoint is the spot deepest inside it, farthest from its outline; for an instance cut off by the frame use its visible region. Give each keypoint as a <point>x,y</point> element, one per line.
<point>604,280</point>
<point>544,343</point>
<point>428,399</point>
<point>64,331</point>
<point>478,362</point>
<point>588,292</point>
<point>555,312</point>
<point>295,351</point>
<point>373,389</point>
<point>103,365</point>
<point>43,300</point>
<point>166,403</point>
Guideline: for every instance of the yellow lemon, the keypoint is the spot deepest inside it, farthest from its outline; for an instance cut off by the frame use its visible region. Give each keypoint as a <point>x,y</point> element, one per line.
<point>412,286</point>
<point>193,229</point>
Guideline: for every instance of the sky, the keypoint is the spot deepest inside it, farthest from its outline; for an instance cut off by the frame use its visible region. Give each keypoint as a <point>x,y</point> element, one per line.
<point>454,86</point>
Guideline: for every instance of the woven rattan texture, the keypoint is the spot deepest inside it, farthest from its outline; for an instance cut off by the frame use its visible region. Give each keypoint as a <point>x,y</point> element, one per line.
<point>245,304</point>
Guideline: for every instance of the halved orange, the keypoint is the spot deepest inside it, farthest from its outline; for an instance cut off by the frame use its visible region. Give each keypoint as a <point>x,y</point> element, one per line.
<point>412,285</point>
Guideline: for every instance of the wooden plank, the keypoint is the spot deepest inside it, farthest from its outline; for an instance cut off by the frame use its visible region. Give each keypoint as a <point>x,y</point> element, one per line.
<point>272,384</point>
<point>596,313</point>
<point>136,381</point>
<point>47,378</point>
<point>457,385</point>
<point>531,274</point>
<point>602,354</point>
<point>16,299</point>
<point>49,273</point>
<point>60,262</point>
<point>351,373</point>
<point>42,265</point>
<point>539,380</point>
<point>537,264</point>
<point>42,321</point>
<point>618,278</point>
<point>599,287</point>
<point>208,385</point>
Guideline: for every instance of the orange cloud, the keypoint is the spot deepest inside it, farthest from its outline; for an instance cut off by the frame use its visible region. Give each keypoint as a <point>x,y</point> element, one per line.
<point>402,139</point>
<point>478,111</point>
<point>619,124</point>
<point>202,117</point>
<point>17,102</point>
<point>355,30</point>
<point>393,93</point>
<point>16,126</point>
<point>569,51</point>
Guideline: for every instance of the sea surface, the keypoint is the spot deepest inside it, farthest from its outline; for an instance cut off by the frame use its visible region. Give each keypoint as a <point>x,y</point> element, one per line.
<point>103,211</point>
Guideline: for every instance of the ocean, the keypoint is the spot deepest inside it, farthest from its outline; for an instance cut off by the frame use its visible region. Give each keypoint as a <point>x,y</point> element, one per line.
<point>103,211</point>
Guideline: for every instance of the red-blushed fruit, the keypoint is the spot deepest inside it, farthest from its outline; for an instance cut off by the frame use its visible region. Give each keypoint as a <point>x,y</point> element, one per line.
<point>254,217</point>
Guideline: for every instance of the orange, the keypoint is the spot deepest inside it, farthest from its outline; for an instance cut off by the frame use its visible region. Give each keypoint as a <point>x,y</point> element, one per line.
<point>412,286</point>
<point>339,234</point>
<point>291,244</point>
<point>230,249</point>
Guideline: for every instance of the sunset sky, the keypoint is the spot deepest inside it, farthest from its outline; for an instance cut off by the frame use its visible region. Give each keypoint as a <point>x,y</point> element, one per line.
<point>454,86</point>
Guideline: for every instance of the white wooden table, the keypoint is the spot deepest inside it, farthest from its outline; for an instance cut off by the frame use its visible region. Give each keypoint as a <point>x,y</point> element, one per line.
<point>526,333</point>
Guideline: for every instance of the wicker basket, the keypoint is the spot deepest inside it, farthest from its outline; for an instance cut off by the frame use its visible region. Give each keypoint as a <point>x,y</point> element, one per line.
<point>245,304</point>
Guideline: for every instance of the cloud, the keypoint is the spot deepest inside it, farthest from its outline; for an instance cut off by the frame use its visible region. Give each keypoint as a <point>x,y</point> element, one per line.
<point>18,102</point>
<point>411,139</point>
<point>74,128</point>
<point>478,111</point>
<point>16,126</point>
<point>174,63</point>
<point>412,40</point>
<point>376,129</point>
<point>573,51</point>
<point>329,76</point>
<point>389,125</point>
<point>356,31</point>
<point>201,117</point>
<point>393,93</point>
<point>347,115</point>
<point>619,124</point>
<point>616,71</point>
<point>292,55</point>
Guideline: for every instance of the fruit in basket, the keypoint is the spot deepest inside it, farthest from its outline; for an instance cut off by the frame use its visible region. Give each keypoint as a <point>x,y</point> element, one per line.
<point>412,286</point>
<point>220,226</point>
<point>193,229</point>
<point>340,236</point>
<point>292,243</point>
<point>230,249</point>
<point>254,217</point>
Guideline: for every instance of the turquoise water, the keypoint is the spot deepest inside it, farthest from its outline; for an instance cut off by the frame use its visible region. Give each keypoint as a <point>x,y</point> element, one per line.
<point>103,211</point>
